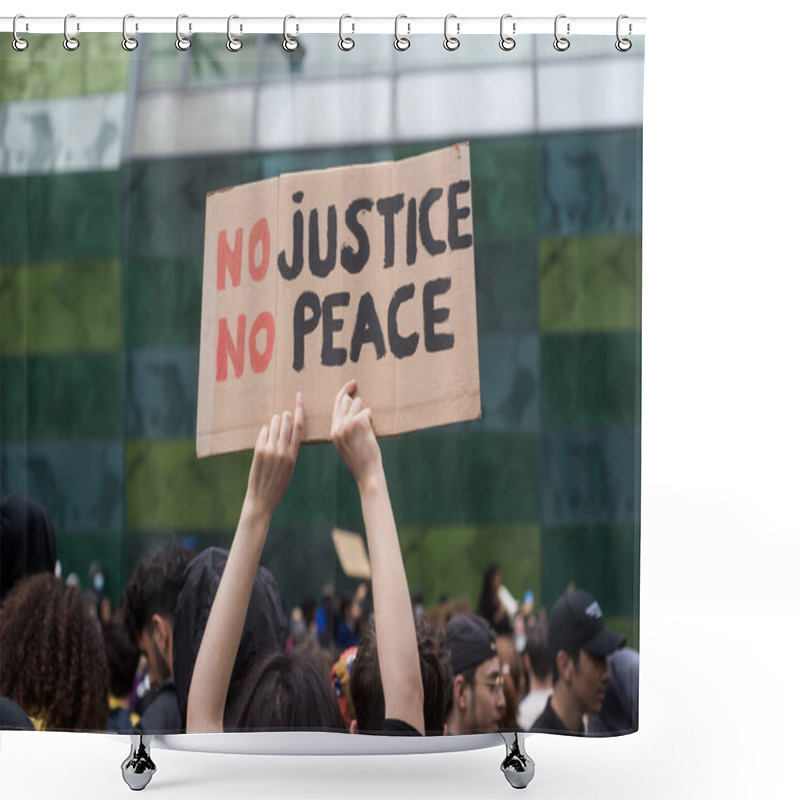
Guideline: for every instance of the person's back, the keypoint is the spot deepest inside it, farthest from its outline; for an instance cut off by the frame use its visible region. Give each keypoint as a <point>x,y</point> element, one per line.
<point>264,630</point>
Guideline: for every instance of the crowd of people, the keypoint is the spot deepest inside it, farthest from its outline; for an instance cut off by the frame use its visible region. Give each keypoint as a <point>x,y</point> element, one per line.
<point>200,642</point>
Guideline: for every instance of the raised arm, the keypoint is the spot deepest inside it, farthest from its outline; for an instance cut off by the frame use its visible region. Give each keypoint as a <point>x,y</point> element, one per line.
<point>398,654</point>
<point>274,458</point>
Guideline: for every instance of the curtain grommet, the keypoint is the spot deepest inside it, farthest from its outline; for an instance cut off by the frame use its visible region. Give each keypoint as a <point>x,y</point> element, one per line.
<point>129,43</point>
<point>233,44</point>
<point>181,42</point>
<point>623,45</point>
<point>290,44</point>
<point>451,43</point>
<point>346,43</point>
<point>507,43</point>
<point>401,43</point>
<point>70,42</point>
<point>17,42</point>
<point>561,43</point>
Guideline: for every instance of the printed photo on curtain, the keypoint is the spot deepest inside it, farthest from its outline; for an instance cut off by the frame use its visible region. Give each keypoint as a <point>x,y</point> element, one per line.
<point>320,375</point>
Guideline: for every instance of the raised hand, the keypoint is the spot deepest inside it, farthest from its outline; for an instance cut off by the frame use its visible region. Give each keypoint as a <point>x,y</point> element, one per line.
<point>274,457</point>
<point>354,437</point>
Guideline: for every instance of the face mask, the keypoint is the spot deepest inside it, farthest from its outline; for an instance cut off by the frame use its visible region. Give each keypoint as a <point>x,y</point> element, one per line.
<point>99,582</point>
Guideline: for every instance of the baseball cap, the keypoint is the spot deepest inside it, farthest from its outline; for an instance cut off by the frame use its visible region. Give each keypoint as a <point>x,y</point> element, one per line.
<point>470,640</point>
<point>576,622</point>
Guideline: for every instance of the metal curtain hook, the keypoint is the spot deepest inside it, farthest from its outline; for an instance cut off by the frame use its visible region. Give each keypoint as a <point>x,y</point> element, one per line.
<point>128,42</point>
<point>70,42</point>
<point>181,42</point>
<point>623,45</point>
<point>289,44</point>
<point>561,43</point>
<point>17,42</point>
<point>507,42</point>
<point>345,42</point>
<point>400,42</point>
<point>233,44</point>
<point>451,42</point>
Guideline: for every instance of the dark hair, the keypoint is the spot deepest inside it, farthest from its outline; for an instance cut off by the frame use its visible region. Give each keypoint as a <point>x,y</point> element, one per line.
<point>288,691</point>
<point>573,654</point>
<point>27,541</point>
<point>53,664</point>
<point>155,586</point>
<point>366,687</point>
<point>122,656</point>
<point>536,649</point>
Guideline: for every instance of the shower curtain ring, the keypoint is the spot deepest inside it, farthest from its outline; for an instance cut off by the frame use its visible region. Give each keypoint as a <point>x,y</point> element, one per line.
<point>289,44</point>
<point>400,42</point>
<point>561,43</point>
<point>128,42</point>
<point>233,44</point>
<point>507,42</point>
<point>17,42</point>
<point>623,45</point>
<point>70,42</point>
<point>181,42</point>
<point>451,42</point>
<point>345,42</point>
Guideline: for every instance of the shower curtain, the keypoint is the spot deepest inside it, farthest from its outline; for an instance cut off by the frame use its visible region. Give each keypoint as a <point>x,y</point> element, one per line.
<point>107,157</point>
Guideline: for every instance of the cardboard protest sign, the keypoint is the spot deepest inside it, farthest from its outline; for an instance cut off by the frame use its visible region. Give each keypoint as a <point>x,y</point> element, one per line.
<point>313,278</point>
<point>352,553</point>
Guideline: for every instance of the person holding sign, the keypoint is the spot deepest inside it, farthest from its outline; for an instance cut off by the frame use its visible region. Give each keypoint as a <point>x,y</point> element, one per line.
<point>274,458</point>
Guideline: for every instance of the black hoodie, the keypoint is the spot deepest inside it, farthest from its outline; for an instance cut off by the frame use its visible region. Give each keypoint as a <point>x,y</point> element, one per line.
<point>265,626</point>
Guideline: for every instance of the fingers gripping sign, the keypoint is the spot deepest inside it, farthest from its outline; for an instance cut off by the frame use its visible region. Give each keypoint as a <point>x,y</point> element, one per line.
<point>353,434</point>
<point>274,458</point>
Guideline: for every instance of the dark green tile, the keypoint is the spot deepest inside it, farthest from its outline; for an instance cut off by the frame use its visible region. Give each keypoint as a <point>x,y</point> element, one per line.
<point>46,70</point>
<point>79,483</point>
<point>78,550</point>
<point>61,307</point>
<point>504,187</point>
<point>441,478</point>
<point>161,393</point>
<point>163,302</point>
<point>509,371</point>
<point>503,173</point>
<point>163,202</point>
<point>59,217</point>
<point>506,286</point>
<point>62,397</point>
<point>590,380</point>
<point>273,164</point>
<point>451,560</point>
<point>303,559</point>
<point>13,398</point>
<point>590,182</point>
<point>591,283</point>
<point>169,489</point>
<point>591,477</point>
<point>602,560</point>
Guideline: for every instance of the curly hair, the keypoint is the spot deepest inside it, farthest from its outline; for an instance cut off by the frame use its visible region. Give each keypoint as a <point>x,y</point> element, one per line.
<point>53,663</point>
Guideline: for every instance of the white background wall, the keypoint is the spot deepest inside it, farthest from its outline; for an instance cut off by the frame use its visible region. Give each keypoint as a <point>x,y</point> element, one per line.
<point>720,442</point>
